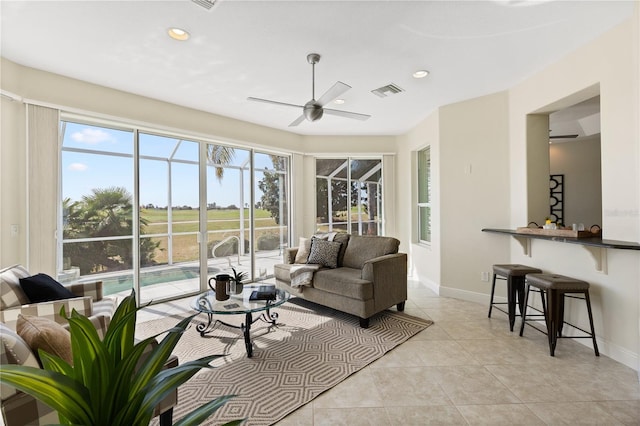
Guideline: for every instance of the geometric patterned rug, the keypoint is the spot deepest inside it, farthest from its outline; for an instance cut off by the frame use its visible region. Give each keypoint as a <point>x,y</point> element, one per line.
<point>311,349</point>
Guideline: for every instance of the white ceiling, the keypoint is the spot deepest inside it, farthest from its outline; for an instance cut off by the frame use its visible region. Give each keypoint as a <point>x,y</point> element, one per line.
<point>258,48</point>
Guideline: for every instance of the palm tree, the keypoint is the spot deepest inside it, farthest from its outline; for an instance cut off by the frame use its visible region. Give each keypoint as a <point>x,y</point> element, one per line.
<point>109,211</point>
<point>220,156</point>
<point>106,212</point>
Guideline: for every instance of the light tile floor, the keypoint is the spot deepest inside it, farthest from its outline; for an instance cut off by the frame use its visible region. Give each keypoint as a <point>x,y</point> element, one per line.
<point>469,369</point>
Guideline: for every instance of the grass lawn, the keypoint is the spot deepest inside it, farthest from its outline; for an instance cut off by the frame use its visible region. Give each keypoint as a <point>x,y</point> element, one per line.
<point>187,220</point>
<point>160,215</point>
<point>186,247</point>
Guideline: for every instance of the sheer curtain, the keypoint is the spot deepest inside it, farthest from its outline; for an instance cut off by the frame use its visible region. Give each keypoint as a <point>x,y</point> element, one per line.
<point>389,195</point>
<point>42,186</point>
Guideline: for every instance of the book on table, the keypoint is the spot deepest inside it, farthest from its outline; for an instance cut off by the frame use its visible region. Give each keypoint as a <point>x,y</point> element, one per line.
<point>264,292</point>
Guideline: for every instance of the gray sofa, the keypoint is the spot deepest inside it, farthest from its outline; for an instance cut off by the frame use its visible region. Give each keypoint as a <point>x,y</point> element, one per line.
<point>370,276</point>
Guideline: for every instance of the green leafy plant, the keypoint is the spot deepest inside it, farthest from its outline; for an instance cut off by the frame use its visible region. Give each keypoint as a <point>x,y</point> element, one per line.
<point>239,276</point>
<point>105,385</point>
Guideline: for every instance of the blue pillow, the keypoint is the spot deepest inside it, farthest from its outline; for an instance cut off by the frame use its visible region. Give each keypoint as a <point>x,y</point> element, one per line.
<point>43,288</point>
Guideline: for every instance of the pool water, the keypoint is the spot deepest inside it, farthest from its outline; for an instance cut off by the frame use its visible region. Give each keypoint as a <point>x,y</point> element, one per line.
<point>117,284</point>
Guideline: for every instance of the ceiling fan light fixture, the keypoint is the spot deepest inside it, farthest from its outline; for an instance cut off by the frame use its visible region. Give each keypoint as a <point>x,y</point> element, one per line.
<point>420,74</point>
<point>178,34</point>
<point>312,111</point>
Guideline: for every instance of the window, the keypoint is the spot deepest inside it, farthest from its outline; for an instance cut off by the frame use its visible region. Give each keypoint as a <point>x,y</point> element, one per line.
<point>349,195</point>
<point>424,195</point>
<point>97,201</point>
<point>131,210</point>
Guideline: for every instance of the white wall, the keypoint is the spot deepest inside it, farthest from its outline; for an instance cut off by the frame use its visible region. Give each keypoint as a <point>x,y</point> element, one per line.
<point>474,174</point>
<point>13,201</point>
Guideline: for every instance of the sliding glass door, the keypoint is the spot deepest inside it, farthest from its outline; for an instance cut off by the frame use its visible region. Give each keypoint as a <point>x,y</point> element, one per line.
<point>169,222</point>
<point>271,212</point>
<point>131,210</point>
<point>228,212</point>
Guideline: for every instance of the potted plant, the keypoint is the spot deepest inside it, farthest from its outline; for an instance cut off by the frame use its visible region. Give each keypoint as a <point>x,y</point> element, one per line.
<point>104,386</point>
<point>238,277</point>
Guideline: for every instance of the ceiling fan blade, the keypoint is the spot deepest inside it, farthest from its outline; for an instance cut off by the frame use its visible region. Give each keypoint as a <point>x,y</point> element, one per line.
<point>347,114</point>
<point>267,101</point>
<point>336,90</point>
<point>563,137</point>
<point>297,121</point>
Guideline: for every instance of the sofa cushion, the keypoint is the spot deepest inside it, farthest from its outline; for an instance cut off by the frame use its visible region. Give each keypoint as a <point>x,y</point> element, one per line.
<point>11,294</point>
<point>45,334</point>
<point>43,288</point>
<point>363,248</point>
<point>304,247</point>
<point>343,281</point>
<point>324,253</point>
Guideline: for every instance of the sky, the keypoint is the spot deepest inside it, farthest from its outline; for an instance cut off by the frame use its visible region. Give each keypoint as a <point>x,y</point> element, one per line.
<point>84,171</point>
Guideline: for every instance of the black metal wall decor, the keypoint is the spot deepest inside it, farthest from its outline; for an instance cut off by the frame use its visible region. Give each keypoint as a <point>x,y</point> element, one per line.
<point>556,198</point>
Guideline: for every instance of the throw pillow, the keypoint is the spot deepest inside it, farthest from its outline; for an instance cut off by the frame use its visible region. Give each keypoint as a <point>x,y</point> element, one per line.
<point>304,246</point>
<point>45,334</point>
<point>342,237</point>
<point>43,288</point>
<point>324,253</point>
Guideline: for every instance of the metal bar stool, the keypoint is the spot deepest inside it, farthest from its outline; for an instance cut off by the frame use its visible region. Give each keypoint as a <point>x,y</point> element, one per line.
<point>514,275</point>
<point>554,288</point>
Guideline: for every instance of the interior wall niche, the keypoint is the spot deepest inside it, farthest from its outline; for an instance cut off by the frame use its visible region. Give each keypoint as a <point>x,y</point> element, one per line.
<point>570,146</point>
<point>574,152</point>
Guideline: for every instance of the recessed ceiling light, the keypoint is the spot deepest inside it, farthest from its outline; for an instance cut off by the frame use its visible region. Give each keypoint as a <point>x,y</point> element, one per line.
<point>420,74</point>
<point>178,34</point>
<point>338,101</point>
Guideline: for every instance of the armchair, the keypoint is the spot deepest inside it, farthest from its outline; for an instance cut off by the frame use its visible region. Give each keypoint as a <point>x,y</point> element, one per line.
<point>89,300</point>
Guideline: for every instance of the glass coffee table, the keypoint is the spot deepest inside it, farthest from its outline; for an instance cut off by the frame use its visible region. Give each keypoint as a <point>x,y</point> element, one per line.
<point>238,304</point>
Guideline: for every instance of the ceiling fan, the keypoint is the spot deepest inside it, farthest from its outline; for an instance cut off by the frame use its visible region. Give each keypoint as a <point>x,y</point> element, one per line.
<point>314,109</point>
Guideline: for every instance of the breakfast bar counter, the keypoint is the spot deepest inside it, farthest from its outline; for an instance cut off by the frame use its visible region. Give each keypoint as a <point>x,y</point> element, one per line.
<point>592,241</point>
<point>596,246</point>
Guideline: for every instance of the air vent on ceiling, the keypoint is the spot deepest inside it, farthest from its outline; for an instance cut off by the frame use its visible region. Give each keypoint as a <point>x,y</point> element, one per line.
<point>389,89</point>
<point>207,4</point>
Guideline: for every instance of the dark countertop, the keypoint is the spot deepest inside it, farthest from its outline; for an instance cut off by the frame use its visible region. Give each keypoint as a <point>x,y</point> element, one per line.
<point>594,242</point>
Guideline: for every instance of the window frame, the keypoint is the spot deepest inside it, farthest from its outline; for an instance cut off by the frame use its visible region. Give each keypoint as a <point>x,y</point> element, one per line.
<point>422,203</point>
